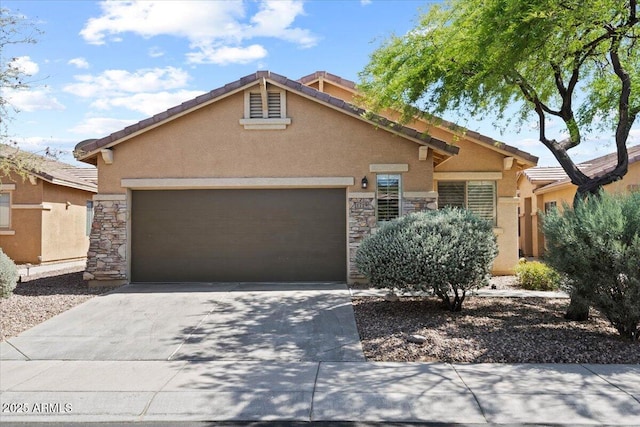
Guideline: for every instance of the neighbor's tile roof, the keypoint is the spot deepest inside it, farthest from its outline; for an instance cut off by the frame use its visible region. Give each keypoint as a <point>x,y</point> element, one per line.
<point>594,167</point>
<point>56,172</point>
<point>483,139</point>
<point>545,174</point>
<point>88,147</point>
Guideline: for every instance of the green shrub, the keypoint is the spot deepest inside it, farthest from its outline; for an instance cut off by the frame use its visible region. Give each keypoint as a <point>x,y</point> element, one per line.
<point>8,275</point>
<point>448,251</point>
<point>597,246</point>
<point>537,276</point>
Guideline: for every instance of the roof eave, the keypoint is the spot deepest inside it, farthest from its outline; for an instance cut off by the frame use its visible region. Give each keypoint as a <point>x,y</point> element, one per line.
<point>88,150</point>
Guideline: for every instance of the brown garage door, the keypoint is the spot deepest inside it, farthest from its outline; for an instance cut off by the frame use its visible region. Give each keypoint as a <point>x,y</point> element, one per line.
<point>238,235</point>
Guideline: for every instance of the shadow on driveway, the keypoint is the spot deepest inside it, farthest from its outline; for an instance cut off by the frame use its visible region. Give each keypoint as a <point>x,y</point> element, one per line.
<point>233,321</point>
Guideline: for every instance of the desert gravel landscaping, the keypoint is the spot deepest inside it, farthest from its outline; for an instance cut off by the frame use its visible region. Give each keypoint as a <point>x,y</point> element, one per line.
<point>489,329</point>
<point>37,300</point>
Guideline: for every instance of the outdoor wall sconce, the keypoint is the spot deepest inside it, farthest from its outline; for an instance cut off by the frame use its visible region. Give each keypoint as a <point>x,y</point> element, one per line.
<point>365,182</point>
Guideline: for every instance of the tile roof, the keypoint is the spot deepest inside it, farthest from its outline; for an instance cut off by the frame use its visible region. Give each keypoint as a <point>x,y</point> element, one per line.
<point>56,172</point>
<point>485,140</point>
<point>88,148</point>
<point>593,167</point>
<point>545,174</point>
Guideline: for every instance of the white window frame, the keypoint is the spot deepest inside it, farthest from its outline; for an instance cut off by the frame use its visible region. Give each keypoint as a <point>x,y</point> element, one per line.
<point>378,197</point>
<point>89,218</point>
<point>494,219</point>
<point>265,122</point>
<point>8,225</point>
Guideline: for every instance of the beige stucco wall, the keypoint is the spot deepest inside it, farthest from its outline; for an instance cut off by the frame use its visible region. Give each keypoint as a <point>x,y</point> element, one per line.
<point>479,160</point>
<point>64,225</point>
<point>319,142</point>
<point>210,142</point>
<point>560,195</point>
<point>45,230</point>
<point>26,224</point>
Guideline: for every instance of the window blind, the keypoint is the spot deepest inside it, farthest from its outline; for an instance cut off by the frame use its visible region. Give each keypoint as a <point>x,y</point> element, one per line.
<point>451,194</point>
<point>4,210</point>
<point>388,197</point>
<point>481,199</point>
<point>477,196</point>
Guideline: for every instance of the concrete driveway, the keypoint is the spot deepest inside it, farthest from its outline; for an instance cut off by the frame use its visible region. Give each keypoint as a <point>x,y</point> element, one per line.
<point>275,322</point>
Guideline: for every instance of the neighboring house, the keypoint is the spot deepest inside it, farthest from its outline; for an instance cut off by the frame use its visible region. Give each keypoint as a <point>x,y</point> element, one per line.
<point>544,188</point>
<point>272,179</point>
<point>46,216</point>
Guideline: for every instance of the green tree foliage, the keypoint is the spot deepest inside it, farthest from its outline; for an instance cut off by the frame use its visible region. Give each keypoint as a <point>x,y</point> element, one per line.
<point>558,59</point>
<point>8,275</point>
<point>596,245</point>
<point>449,252</point>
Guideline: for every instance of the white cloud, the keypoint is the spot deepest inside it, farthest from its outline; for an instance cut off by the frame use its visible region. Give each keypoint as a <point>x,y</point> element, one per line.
<point>217,29</point>
<point>33,144</point>
<point>79,62</point>
<point>24,65</point>
<point>275,19</point>
<point>194,20</point>
<point>32,100</point>
<point>119,82</point>
<point>147,103</point>
<point>365,2</point>
<point>528,142</point>
<point>96,127</point>
<point>227,55</point>
<point>156,52</point>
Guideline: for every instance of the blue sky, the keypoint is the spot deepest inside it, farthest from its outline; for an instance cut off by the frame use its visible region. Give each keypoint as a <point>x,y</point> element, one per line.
<point>100,66</point>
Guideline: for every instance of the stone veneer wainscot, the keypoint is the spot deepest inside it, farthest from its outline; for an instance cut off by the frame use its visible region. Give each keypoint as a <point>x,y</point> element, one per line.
<point>107,256</point>
<point>362,219</point>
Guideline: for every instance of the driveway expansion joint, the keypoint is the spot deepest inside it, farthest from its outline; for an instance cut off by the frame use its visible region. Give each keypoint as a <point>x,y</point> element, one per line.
<point>482,411</point>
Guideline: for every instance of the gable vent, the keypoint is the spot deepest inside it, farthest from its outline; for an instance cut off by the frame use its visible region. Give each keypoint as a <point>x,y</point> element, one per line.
<point>274,104</point>
<point>255,106</point>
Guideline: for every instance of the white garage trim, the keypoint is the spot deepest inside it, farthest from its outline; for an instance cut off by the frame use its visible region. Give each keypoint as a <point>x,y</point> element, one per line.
<point>238,183</point>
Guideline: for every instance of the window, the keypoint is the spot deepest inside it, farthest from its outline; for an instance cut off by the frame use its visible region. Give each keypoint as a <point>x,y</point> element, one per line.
<point>549,206</point>
<point>5,210</point>
<point>388,191</point>
<point>89,222</point>
<point>477,196</point>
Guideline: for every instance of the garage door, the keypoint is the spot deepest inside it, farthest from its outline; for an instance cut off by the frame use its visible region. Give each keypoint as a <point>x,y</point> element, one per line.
<point>238,235</point>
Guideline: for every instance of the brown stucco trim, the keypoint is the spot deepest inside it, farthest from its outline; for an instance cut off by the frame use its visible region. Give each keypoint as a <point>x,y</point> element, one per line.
<point>237,183</point>
<point>87,150</point>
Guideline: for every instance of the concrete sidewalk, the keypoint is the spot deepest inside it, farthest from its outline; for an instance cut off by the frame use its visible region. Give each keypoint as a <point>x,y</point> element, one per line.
<point>28,272</point>
<point>134,391</point>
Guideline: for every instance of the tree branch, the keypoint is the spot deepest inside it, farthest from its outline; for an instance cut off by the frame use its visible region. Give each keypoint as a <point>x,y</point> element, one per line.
<point>624,118</point>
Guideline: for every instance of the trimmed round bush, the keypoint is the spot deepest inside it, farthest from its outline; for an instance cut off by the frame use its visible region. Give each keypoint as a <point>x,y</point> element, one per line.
<point>596,246</point>
<point>8,275</point>
<point>537,276</point>
<point>448,251</point>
